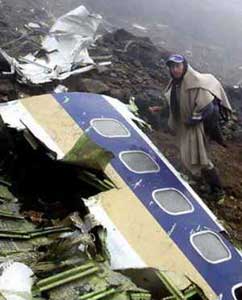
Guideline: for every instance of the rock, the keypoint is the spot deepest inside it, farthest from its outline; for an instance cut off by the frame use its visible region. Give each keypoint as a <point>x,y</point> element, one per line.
<point>117,93</point>
<point>122,35</point>
<point>93,86</point>
<point>137,63</point>
<point>154,93</point>
<point>114,75</point>
<point>122,94</point>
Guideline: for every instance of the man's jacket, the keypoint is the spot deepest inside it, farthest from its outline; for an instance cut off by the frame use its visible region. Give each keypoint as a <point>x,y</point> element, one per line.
<point>195,92</point>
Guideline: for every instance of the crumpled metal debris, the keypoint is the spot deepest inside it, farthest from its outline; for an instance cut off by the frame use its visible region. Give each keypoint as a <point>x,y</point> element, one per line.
<point>63,52</point>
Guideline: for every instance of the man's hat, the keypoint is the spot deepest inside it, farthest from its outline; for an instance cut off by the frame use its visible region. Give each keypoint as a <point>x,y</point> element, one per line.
<point>175,58</point>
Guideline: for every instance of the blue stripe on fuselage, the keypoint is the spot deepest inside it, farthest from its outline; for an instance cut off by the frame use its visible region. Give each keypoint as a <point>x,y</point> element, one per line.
<point>83,107</point>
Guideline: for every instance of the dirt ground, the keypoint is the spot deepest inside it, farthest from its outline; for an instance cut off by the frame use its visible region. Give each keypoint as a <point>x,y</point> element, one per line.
<point>229,163</point>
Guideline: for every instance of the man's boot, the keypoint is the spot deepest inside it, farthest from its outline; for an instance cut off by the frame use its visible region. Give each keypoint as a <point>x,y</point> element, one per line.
<point>213,180</point>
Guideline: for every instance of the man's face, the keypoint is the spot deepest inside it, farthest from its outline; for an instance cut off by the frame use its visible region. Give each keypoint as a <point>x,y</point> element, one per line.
<point>176,69</point>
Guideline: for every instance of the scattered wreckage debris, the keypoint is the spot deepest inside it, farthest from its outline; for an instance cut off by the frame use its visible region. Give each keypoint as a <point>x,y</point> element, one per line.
<point>38,217</point>
<point>46,226</point>
<point>69,265</point>
<point>62,53</point>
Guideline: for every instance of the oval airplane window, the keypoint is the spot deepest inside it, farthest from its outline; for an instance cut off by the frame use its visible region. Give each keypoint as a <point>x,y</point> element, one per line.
<point>110,128</point>
<point>210,246</point>
<point>237,291</point>
<point>172,201</point>
<point>139,162</point>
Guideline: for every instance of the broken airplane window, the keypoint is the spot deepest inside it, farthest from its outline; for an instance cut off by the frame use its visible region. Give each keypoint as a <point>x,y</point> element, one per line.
<point>110,128</point>
<point>210,246</point>
<point>139,162</point>
<point>172,201</point>
<point>237,291</point>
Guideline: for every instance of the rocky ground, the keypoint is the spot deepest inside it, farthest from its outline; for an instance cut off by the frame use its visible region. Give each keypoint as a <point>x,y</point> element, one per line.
<point>136,71</point>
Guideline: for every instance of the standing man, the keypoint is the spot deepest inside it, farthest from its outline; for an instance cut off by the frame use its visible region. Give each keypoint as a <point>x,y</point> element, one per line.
<point>196,102</point>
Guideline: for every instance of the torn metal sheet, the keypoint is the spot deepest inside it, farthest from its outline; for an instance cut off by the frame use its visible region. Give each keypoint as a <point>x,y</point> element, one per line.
<point>64,50</point>
<point>33,25</point>
<point>137,26</point>
<point>65,45</point>
<point>16,116</point>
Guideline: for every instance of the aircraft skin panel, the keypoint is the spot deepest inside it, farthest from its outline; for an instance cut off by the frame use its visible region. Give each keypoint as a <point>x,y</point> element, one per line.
<point>221,276</point>
<point>122,254</point>
<point>123,225</point>
<point>146,237</point>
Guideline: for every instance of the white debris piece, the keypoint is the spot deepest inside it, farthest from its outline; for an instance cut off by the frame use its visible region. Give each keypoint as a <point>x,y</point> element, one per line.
<point>137,26</point>
<point>64,50</point>
<point>16,281</point>
<point>61,89</point>
<point>162,26</point>
<point>33,25</point>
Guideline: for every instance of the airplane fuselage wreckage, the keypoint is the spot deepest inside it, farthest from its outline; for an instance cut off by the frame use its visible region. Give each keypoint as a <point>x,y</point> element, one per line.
<point>153,219</point>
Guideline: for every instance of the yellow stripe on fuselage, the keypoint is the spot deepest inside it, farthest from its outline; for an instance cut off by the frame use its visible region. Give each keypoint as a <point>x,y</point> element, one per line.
<point>56,122</point>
